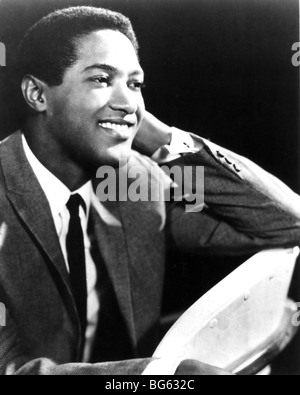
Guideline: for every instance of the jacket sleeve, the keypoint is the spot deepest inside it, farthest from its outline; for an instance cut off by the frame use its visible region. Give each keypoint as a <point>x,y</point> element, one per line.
<point>245,208</point>
<point>14,361</point>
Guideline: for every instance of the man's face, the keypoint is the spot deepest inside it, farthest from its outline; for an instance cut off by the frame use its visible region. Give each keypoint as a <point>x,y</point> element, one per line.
<point>95,114</point>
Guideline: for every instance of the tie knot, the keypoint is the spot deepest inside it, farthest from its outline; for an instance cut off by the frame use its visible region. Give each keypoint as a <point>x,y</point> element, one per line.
<point>74,203</point>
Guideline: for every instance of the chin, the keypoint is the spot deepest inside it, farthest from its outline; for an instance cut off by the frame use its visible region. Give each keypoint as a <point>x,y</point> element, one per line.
<point>116,157</point>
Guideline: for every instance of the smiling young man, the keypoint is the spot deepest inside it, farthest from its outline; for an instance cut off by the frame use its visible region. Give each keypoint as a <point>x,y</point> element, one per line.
<point>82,280</point>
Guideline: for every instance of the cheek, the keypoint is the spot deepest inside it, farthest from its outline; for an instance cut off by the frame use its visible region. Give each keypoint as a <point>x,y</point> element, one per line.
<point>141,110</point>
<point>95,99</point>
<point>79,103</point>
<point>64,110</point>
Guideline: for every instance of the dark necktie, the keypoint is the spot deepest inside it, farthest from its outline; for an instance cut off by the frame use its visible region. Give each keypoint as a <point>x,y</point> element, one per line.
<point>76,260</point>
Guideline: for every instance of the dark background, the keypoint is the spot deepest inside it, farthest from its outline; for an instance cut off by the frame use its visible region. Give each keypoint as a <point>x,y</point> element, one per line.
<point>219,68</point>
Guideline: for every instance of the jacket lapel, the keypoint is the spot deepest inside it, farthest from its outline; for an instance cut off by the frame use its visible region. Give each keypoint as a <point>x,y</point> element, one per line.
<point>30,203</point>
<point>111,242</point>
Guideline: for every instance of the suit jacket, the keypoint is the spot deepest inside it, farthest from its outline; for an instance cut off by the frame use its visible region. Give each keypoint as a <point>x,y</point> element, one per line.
<point>246,210</point>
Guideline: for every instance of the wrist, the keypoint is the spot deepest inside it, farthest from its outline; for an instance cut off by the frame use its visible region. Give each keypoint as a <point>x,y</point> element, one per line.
<point>152,135</point>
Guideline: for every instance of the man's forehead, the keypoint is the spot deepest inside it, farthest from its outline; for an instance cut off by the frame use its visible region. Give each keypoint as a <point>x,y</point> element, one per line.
<point>108,48</point>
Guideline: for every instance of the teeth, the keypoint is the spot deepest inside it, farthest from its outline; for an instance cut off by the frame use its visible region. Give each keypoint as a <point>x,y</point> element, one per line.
<point>114,126</point>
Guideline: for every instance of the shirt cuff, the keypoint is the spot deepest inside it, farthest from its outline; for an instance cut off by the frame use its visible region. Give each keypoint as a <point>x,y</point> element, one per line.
<point>181,143</point>
<point>162,367</point>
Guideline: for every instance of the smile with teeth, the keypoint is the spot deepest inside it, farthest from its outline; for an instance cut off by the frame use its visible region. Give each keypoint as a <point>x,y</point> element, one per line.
<point>115,126</point>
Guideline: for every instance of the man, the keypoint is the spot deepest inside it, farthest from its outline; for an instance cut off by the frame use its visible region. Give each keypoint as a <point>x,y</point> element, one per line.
<point>81,279</point>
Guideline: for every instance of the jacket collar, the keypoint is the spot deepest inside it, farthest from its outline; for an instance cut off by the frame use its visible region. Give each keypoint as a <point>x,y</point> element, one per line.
<point>29,200</point>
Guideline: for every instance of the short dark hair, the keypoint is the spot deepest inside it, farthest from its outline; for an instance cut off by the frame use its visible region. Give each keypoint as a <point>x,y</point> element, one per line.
<point>49,47</point>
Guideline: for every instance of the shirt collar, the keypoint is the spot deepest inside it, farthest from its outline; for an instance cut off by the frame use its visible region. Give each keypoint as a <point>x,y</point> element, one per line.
<point>57,193</point>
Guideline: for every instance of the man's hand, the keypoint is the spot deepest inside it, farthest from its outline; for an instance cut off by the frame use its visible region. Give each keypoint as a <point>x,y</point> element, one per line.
<point>191,367</point>
<point>152,135</point>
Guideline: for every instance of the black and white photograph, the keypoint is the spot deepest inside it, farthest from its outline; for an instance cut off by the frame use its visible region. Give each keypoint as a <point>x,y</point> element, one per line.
<point>150,190</point>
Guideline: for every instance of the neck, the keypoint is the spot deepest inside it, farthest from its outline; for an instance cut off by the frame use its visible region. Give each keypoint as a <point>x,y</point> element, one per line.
<point>52,155</point>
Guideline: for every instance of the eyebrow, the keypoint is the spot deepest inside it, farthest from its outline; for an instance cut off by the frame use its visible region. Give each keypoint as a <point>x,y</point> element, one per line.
<point>109,68</point>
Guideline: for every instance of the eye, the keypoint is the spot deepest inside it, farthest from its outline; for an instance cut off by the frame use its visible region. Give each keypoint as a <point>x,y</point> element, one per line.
<point>101,80</point>
<point>137,85</point>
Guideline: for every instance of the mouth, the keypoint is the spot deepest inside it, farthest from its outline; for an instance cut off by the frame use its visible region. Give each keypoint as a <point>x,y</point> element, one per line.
<point>119,129</point>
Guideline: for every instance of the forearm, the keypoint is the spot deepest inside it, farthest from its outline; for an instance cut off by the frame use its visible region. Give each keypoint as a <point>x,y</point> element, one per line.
<point>249,176</point>
<point>14,360</point>
<point>40,367</point>
<point>246,208</point>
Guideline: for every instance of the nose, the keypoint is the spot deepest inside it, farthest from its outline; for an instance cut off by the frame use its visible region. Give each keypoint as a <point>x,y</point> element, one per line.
<point>124,100</point>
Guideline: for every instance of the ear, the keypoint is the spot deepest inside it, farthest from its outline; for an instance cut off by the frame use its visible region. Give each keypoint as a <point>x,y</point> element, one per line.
<point>34,93</point>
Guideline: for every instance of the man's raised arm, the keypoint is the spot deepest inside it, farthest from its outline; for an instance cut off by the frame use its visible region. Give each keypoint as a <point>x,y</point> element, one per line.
<point>246,208</point>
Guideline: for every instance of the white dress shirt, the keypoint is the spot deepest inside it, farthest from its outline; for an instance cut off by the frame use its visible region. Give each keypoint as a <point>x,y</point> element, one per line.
<point>58,196</point>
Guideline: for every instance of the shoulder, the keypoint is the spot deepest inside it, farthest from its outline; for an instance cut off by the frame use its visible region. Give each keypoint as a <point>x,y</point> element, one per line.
<point>10,165</point>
